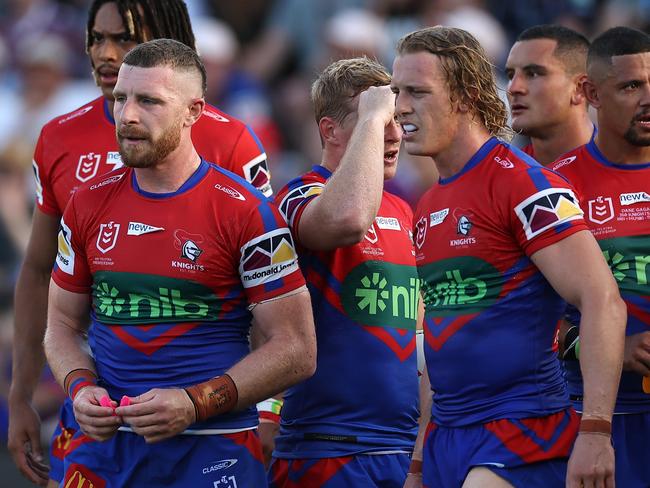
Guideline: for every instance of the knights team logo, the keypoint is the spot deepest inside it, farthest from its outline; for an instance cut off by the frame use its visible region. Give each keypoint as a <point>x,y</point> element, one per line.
<point>601,210</point>
<point>191,251</point>
<point>257,172</point>
<point>88,166</point>
<point>107,237</point>
<point>420,232</point>
<point>464,225</point>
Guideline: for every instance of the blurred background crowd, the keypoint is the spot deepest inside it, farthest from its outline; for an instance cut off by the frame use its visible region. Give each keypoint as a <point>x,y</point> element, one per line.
<point>261,57</point>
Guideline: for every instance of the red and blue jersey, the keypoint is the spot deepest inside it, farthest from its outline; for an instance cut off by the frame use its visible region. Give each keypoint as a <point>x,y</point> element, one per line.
<point>490,314</point>
<point>76,147</point>
<point>171,276</point>
<point>616,199</point>
<point>363,396</point>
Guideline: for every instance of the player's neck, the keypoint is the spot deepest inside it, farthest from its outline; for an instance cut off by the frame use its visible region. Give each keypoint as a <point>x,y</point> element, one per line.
<point>466,143</point>
<point>562,139</point>
<point>171,173</point>
<point>618,151</point>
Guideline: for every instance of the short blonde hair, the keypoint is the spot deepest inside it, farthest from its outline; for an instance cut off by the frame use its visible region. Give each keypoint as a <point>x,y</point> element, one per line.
<point>340,82</point>
<point>470,75</point>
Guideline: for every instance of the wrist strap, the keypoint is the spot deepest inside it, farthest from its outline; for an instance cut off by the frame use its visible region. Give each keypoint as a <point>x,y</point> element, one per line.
<point>595,426</point>
<point>213,397</point>
<point>415,467</point>
<point>270,410</point>
<point>76,379</point>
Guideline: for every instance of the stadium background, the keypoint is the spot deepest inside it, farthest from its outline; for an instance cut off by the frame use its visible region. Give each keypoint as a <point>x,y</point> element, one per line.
<point>261,57</point>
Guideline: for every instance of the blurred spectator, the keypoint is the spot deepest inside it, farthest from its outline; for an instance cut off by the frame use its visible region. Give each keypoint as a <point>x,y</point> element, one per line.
<point>231,89</point>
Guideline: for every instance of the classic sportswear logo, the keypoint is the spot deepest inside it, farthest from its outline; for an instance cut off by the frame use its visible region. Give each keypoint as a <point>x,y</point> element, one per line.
<point>76,114</point>
<point>219,465</point>
<point>563,162</point>
<point>504,163</point>
<point>132,298</point>
<point>138,228</point>
<point>382,294</point>
<point>267,258</point>
<point>231,192</point>
<point>547,209</point>
<point>632,198</point>
<point>215,116</point>
<point>108,181</point>
<point>65,254</point>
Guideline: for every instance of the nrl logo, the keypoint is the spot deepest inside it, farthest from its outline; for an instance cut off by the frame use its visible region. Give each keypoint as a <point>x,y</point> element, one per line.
<point>371,235</point>
<point>420,232</point>
<point>601,210</point>
<point>107,237</point>
<point>88,166</point>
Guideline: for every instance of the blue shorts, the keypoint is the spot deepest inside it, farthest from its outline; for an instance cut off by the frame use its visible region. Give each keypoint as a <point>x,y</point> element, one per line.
<point>631,439</point>
<point>60,443</point>
<point>215,461</point>
<point>529,453</point>
<point>377,470</point>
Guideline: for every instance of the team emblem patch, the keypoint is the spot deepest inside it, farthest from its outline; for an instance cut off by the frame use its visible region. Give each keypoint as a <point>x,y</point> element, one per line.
<point>88,166</point>
<point>188,244</point>
<point>420,232</point>
<point>292,200</point>
<point>547,209</point>
<point>65,254</point>
<point>107,237</point>
<point>601,210</point>
<point>257,172</point>
<point>267,258</point>
<point>371,235</point>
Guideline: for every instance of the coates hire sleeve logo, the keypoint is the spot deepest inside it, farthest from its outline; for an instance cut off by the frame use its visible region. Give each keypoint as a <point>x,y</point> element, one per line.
<point>547,209</point>
<point>267,258</point>
<point>65,253</point>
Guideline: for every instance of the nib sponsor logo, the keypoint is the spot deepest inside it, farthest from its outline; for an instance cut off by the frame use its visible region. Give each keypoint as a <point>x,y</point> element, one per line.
<point>138,228</point>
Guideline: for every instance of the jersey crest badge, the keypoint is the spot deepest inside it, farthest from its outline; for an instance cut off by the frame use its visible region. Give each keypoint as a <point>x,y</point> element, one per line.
<point>371,235</point>
<point>547,209</point>
<point>601,210</point>
<point>420,232</point>
<point>188,244</point>
<point>107,237</point>
<point>88,166</point>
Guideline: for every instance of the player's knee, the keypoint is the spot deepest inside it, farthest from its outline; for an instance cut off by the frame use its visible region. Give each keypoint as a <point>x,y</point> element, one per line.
<point>484,478</point>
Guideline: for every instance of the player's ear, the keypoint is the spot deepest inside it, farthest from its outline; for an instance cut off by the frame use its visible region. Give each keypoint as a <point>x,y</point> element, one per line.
<point>195,109</point>
<point>579,97</point>
<point>327,127</point>
<point>591,93</point>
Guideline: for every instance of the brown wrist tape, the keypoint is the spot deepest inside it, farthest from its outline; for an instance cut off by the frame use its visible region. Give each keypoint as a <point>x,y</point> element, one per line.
<point>415,467</point>
<point>213,397</point>
<point>596,426</point>
<point>76,379</point>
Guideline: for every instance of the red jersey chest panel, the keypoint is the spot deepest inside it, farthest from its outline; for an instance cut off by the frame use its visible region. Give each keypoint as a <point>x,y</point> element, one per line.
<point>79,146</point>
<point>192,256</point>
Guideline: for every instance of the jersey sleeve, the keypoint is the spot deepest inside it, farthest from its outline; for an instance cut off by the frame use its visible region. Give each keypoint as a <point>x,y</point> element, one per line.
<point>249,160</point>
<point>268,263</point>
<point>294,198</point>
<point>45,200</point>
<point>71,270</point>
<point>544,209</point>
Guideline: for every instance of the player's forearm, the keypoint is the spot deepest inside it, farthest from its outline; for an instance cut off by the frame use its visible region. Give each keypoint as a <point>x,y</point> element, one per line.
<point>65,351</point>
<point>30,302</point>
<point>351,198</point>
<point>602,339</point>
<point>281,362</point>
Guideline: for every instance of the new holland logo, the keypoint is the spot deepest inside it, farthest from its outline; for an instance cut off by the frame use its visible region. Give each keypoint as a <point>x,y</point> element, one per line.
<point>88,166</point>
<point>107,237</point>
<point>65,254</point>
<point>420,232</point>
<point>547,209</point>
<point>257,172</point>
<point>295,197</point>
<point>601,210</point>
<point>267,258</point>
<point>138,228</point>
